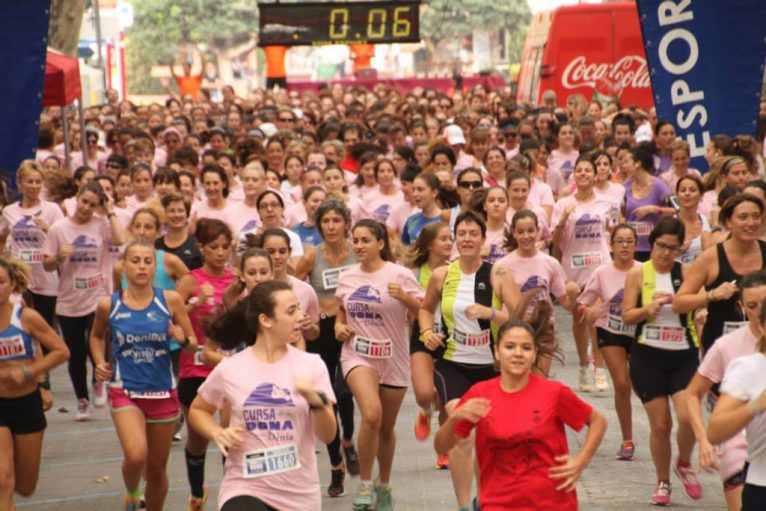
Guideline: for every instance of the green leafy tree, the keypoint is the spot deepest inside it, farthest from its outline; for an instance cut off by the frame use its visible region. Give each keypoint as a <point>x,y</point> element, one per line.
<point>450,19</point>
<point>161,26</point>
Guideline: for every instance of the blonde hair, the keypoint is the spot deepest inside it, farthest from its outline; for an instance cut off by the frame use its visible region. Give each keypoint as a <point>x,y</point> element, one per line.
<point>18,272</point>
<point>719,169</point>
<point>26,168</point>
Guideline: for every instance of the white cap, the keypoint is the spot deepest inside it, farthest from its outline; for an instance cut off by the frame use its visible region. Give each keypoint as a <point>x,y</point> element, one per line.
<point>644,133</point>
<point>454,134</point>
<point>268,129</point>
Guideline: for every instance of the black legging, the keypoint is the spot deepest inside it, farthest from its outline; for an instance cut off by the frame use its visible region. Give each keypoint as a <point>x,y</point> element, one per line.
<point>76,333</point>
<point>45,306</point>
<point>246,503</point>
<point>327,347</point>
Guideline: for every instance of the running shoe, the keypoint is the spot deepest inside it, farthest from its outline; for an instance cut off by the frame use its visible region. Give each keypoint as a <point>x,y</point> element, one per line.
<point>83,410</point>
<point>661,496</point>
<point>475,504</point>
<point>363,498</point>
<point>626,451</point>
<point>99,394</point>
<point>336,483</point>
<point>383,499</point>
<point>422,425</point>
<point>585,379</point>
<point>692,486</point>
<point>442,461</point>
<point>197,503</point>
<point>601,383</point>
<point>352,460</point>
<point>132,504</point>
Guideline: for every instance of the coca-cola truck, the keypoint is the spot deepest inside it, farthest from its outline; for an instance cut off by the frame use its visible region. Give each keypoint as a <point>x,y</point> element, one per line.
<point>592,49</point>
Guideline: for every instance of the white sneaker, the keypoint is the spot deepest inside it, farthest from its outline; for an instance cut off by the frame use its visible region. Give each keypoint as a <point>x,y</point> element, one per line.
<point>601,383</point>
<point>99,394</point>
<point>585,379</point>
<point>83,410</point>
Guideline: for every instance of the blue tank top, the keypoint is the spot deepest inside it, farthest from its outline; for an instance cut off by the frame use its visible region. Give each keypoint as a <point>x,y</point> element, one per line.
<point>141,347</point>
<point>161,278</point>
<point>15,343</point>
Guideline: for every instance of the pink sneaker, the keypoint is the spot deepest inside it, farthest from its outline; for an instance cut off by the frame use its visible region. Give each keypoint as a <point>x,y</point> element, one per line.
<point>692,486</point>
<point>661,496</point>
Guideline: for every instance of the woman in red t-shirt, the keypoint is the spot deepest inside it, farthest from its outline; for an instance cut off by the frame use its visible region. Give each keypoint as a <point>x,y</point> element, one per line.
<point>521,444</point>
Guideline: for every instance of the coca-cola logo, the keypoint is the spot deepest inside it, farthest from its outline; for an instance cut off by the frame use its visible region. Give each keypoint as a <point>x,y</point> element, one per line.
<point>629,71</point>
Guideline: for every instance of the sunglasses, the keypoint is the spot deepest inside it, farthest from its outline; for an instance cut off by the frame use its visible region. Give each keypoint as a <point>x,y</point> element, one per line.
<point>470,184</point>
<point>113,166</point>
<point>286,119</point>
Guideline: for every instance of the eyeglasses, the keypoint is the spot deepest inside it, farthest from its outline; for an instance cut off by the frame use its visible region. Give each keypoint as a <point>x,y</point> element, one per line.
<point>626,243</point>
<point>510,134</point>
<point>286,119</point>
<point>669,248</point>
<point>470,184</point>
<point>111,165</point>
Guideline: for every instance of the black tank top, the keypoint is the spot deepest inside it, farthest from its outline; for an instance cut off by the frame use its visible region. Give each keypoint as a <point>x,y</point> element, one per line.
<point>724,310</point>
<point>188,251</point>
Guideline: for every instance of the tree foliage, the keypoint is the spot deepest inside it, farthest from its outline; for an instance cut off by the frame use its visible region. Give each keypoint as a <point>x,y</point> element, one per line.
<point>443,19</point>
<point>160,27</point>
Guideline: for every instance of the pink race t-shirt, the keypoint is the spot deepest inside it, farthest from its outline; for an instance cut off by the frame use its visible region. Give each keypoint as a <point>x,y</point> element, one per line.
<point>25,241</point>
<point>86,275</point>
<point>495,243</point>
<point>733,345</point>
<point>276,461</point>
<point>584,245</point>
<point>378,207</point>
<point>540,193</point>
<point>307,297</point>
<point>606,284</point>
<point>542,219</point>
<point>399,216</point>
<point>378,320</point>
<point>241,215</point>
<point>192,365</point>
<point>540,275</point>
<point>203,210</point>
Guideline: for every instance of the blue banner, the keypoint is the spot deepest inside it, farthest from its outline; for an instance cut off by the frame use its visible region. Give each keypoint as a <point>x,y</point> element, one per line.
<point>23,42</point>
<point>706,61</point>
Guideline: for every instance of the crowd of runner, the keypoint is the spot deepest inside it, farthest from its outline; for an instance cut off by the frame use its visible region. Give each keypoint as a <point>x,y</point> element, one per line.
<point>198,257</point>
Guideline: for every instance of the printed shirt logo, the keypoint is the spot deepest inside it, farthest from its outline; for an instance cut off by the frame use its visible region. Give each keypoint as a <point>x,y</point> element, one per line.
<point>154,317</point>
<point>25,231</point>
<point>588,227</point>
<point>363,306</point>
<point>268,394</point>
<point>366,294</point>
<point>269,409</point>
<point>85,250</point>
<point>381,212</point>
<point>615,304</point>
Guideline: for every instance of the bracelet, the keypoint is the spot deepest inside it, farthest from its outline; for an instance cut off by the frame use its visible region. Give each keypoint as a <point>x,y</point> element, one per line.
<point>709,296</point>
<point>423,332</point>
<point>325,401</point>
<point>755,407</point>
<point>494,313</point>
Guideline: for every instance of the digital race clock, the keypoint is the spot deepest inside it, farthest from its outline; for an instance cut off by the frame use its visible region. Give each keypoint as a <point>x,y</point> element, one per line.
<point>316,24</point>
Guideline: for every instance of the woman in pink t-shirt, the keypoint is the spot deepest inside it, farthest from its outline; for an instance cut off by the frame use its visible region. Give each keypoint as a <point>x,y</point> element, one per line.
<point>561,162</point>
<point>280,397</point>
<point>245,213</point>
<point>276,243</point>
<point>202,290</point>
<point>78,247</point>
<point>379,204</point>
<point>143,186</point>
<point>537,274</point>
<point>603,298</point>
<point>493,204</point>
<point>81,176</point>
<point>581,234</point>
<point>518,184</point>
<point>375,297</point>
<point>216,186</point>
<point>24,226</point>
<point>366,182</point>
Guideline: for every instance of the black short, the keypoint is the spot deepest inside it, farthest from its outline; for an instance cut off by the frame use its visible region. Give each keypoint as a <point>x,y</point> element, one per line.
<point>418,346</point>
<point>659,373</point>
<point>23,415</point>
<point>273,82</point>
<point>609,339</point>
<point>452,379</point>
<point>246,503</point>
<point>187,390</point>
<point>753,497</point>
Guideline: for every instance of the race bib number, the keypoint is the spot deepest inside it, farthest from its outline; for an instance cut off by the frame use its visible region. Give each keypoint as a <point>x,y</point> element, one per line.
<point>373,348</point>
<point>643,229</point>
<point>730,326</point>
<point>31,256</point>
<point>664,337</point>
<point>88,283</point>
<point>270,461</point>
<point>198,357</point>
<point>586,260</point>
<point>471,340</point>
<point>11,347</point>
<point>135,394</point>
<point>330,277</point>
<point>615,325</point>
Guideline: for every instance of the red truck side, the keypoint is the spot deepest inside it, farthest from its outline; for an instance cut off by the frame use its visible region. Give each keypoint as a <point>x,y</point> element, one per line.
<point>592,49</point>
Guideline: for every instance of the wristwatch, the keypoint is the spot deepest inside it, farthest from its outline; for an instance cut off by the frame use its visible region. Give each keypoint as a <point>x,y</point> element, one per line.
<point>322,397</point>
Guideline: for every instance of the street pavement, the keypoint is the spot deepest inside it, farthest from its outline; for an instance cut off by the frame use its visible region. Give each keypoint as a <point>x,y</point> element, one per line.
<point>81,462</point>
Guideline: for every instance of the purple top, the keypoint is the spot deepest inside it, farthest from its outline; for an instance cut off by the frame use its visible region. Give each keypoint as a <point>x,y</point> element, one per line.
<point>644,226</point>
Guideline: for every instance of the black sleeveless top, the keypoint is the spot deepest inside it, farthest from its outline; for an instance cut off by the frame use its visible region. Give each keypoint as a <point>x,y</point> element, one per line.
<point>724,310</point>
<point>188,251</point>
